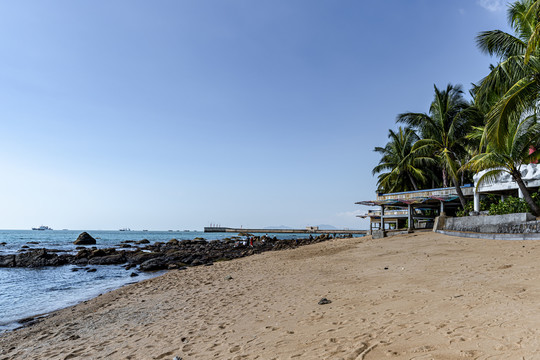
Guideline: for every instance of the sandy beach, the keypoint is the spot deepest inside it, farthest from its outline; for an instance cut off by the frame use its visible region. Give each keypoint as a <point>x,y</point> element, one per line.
<point>417,296</point>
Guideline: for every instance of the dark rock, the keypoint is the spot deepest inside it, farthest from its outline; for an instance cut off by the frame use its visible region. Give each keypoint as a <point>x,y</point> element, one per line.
<point>324,301</point>
<point>7,261</point>
<point>143,241</point>
<point>24,247</point>
<point>196,262</point>
<point>33,242</point>
<point>81,261</point>
<point>154,264</point>
<point>91,270</point>
<point>85,239</point>
<point>133,274</point>
<point>108,260</point>
<point>97,253</point>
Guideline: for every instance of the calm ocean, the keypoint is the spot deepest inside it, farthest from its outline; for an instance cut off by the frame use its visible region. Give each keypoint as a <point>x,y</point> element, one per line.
<point>27,292</point>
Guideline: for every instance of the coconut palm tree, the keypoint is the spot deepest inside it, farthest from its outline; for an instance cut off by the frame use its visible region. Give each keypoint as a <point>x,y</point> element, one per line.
<point>512,88</point>
<point>443,131</point>
<point>399,169</point>
<point>509,154</point>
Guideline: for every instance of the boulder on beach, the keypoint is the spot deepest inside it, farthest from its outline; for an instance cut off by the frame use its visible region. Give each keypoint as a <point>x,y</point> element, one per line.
<point>85,239</point>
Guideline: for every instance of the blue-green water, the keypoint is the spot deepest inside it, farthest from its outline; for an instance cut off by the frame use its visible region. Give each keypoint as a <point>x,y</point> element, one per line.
<point>27,292</point>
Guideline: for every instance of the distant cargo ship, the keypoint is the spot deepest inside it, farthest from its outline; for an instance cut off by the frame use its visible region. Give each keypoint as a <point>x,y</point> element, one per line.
<point>42,227</point>
<point>125,229</point>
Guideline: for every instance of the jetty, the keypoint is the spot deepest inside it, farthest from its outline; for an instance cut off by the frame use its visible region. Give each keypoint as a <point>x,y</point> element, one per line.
<point>307,230</point>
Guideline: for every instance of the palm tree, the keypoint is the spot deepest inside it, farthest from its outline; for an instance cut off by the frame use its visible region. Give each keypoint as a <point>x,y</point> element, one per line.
<point>512,88</point>
<point>509,154</point>
<point>404,169</point>
<point>443,131</point>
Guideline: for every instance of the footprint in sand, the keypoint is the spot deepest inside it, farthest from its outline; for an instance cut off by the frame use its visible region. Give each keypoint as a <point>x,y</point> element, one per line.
<point>234,349</point>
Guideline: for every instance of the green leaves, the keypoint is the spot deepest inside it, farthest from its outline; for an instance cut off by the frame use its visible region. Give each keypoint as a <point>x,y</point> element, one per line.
<point>399,168</point>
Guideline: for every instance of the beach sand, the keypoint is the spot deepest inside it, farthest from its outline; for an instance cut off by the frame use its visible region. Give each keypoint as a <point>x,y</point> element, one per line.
<point>417,296</point>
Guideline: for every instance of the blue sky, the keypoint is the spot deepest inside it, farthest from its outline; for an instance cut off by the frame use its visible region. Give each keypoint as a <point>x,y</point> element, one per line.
<point>178,114</point>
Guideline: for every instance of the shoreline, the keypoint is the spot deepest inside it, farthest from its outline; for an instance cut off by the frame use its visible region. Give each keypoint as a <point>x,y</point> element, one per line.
<point>32,319</point>
<point>422,294</point>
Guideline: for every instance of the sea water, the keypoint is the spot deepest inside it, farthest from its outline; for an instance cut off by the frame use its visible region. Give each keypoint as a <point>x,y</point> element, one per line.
<point>28,292</point>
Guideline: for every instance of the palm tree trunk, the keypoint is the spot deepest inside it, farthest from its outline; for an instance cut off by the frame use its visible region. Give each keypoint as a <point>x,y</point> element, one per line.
<point>526,195</point>
<point>444,181</point>
<point>412,181</point>
<point>459,192</point>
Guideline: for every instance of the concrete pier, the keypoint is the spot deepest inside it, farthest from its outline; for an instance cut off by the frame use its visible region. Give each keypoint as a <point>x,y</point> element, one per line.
<point>281,231</point>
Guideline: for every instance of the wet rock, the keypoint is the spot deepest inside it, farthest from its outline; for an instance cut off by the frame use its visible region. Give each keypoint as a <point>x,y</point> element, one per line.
<point>91,270</point>
<point>97,253</point>
<point>153,265</point>
<point>85,239</point>
<point>108,260</point>
<point>143,241</point>
<point>7,261</point>
<point>133,274</point>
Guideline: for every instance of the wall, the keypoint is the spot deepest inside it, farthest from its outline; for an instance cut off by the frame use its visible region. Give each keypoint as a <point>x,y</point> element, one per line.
<point>505,224</point>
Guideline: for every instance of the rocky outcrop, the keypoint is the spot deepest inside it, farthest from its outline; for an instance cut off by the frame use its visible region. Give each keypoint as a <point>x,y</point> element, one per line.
<point>158,256</point>
<point>85,239</point>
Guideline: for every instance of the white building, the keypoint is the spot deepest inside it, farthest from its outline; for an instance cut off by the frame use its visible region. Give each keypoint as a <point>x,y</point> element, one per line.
<point>504,185</point>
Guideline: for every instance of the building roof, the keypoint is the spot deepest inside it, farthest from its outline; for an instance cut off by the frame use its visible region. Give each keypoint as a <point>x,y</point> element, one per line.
<point>403,199</point>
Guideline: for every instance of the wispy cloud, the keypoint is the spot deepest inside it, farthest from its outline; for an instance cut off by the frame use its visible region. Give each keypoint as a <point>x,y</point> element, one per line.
<point>491,5</point>
<point>351,214</point>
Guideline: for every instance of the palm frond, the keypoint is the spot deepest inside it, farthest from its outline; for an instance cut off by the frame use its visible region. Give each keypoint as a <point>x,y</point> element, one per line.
<point>509,108</point>
<point>499,43</point>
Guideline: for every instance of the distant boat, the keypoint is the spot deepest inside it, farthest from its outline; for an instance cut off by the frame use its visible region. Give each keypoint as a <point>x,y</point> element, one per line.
<point>42,227</point>
<point>145,230</point>
<point>124,229</point>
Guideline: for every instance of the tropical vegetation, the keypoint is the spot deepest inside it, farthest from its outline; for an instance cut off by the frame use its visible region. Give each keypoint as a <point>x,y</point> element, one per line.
<point>494,131</point>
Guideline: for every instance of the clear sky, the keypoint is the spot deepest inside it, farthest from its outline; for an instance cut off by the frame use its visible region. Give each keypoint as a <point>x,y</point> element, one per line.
<point>177,114</point>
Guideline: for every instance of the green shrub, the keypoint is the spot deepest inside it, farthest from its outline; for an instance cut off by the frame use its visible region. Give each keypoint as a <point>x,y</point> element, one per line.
<point>509,205</point>
<point>488,200</point>
<point>485,205</point>
<point>465,211</point>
